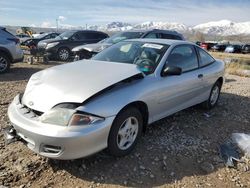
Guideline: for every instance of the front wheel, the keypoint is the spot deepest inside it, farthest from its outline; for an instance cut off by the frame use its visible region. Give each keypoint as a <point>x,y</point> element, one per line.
<point>213,97</point>
<point>63,54</point>
<point>4,63</point>
<point>125,132</point>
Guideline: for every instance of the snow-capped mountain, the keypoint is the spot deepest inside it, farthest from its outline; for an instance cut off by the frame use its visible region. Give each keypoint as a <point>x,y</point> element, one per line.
<point>224,27</point>
<point>162,25</point>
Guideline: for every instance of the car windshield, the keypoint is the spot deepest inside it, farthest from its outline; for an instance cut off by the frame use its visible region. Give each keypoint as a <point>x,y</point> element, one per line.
<point>65,35</point>
<point>122,36</point>
<point>145,55</point>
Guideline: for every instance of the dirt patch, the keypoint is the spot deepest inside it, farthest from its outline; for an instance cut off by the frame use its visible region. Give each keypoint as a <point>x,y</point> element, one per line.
<point>178,151</point>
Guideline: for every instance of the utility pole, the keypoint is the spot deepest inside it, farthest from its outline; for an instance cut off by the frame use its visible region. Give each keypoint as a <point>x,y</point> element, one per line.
<point>57,24</point>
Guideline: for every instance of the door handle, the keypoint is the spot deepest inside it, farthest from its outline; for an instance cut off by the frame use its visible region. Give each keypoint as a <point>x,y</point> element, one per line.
<point>200,76</point>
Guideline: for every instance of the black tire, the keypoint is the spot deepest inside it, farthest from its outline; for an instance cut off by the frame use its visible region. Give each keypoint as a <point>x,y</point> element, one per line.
<point>210,102</point>
<point>63,54</point>
<point>4,63</point>
<point>113,139</point>
<point>84,55</point>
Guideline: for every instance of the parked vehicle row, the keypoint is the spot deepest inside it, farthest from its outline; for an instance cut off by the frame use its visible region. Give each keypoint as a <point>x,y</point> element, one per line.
<point>61,46</point>
<point>87,51</point>
<point>228,48</point>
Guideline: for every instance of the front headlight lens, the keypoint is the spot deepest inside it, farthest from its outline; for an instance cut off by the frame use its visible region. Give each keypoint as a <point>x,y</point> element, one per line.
<point>65,117</point>
<point>57,116</point>
<point>50,45</point>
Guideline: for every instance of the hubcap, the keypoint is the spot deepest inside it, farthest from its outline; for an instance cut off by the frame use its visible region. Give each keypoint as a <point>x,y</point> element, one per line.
<point>127,133</point>
<point>63,54</point>
<point>3,64</point>
<point>214,95</point>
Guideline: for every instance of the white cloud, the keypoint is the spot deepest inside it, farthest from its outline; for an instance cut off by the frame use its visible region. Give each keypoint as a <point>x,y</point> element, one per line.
<point>46,24</point>
<point>61,18</point>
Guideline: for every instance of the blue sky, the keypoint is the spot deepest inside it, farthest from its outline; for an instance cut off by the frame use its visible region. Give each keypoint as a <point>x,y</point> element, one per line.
<point>81,12</point>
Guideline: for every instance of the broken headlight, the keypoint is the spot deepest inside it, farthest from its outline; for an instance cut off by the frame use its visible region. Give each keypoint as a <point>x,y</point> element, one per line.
<point>71,117</point>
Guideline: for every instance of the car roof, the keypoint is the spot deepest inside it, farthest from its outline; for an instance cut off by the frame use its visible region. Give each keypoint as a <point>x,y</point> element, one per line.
<point>162,41</point>
<point>2,27</point>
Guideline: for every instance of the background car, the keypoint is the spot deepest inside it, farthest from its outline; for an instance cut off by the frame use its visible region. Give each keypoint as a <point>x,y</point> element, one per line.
<point>32,42</point>
<point>23,37</point>
<point>87,51</point>
<point>234,48</point>
<point>219,47</point>
<point>207,45</point>
<point>245,49</point>
<point>61,46</point>
<point>77,109</point>
<point>10,51</point>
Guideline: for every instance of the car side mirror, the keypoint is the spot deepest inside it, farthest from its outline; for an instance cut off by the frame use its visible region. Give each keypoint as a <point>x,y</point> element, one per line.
<point>171,70</point>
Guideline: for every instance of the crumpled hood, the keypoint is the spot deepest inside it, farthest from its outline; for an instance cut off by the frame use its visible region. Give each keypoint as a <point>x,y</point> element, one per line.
<point>73,82</point>
<point>97,47</point>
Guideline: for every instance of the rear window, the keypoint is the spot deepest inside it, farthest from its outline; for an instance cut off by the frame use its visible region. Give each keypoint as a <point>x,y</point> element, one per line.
<point>170,36</point>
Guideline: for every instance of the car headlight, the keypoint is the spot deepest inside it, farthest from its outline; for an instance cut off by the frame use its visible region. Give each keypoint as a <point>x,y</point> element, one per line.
<point>50,45</point>
<point>68,117</point>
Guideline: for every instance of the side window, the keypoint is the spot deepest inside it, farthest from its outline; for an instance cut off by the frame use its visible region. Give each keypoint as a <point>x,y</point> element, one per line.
<point>76,37</point>
<point>88,36</point>
<point>48,36</point>
<point>183,56</point>
<point>151,36</point>
<point>53,35</point>
<point>205,58</point>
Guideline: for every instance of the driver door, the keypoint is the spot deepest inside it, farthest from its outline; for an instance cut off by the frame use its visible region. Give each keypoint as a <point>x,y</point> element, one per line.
<point>177,92</point>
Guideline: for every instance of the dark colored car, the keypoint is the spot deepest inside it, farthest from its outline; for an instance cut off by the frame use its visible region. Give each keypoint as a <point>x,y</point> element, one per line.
<point>207,45</point>
<point>219,47</point>
<point>61,46</point>
<point>87,51</point>
<point>234,48</point>
<point>245,49</point>
<point>32,43</point>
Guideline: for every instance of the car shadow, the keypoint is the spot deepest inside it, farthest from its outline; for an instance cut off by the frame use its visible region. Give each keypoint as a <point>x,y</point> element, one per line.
<point>182,145</point>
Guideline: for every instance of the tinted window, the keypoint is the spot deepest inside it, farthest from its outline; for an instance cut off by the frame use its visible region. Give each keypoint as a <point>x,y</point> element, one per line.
<point>169,36</point>
<point>183,56</point>
<point>65,35</point>
<point>205,58</point>
<point>92,35</point>
<point>151,35</point>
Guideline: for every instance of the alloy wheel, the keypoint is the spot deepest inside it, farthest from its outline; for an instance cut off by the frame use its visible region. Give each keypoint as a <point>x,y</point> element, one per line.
<point>214,95</point>
<point>127,133</point>
<point>64,54</point>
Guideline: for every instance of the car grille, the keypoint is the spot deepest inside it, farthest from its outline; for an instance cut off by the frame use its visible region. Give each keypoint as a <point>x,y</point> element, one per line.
<point>28,112</point>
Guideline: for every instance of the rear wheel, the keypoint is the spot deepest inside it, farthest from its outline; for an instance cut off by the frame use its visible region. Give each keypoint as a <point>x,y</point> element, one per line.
<point>213,97</point>
<point>63,54</point>
<point>4,63</point>
<point>125,132</point>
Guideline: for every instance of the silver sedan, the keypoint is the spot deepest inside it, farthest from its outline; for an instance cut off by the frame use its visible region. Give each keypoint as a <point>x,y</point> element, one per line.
<point>77,109</point>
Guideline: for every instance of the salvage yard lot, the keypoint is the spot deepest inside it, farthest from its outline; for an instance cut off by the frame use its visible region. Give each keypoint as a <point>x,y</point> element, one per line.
<point>178,151</point>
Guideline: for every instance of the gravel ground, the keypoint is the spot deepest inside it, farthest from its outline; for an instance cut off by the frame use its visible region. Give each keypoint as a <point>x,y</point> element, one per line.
<point>178,151</point>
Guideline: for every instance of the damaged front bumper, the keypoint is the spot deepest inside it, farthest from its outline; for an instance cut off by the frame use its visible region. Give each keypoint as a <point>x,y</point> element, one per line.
<point>53,141</point>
